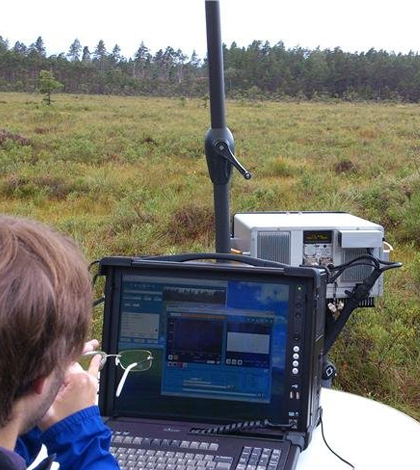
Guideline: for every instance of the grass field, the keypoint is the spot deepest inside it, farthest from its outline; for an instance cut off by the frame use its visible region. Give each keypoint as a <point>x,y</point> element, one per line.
<point>128,176</point>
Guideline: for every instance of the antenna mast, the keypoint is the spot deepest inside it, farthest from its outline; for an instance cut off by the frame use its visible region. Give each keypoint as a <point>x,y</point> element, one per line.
<point>219,143</point>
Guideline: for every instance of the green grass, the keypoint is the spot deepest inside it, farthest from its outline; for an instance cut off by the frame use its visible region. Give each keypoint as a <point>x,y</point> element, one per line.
<point>128,176</point>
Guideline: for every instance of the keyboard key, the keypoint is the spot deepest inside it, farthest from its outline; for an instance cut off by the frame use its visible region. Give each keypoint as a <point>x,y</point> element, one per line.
<point>223,466</point>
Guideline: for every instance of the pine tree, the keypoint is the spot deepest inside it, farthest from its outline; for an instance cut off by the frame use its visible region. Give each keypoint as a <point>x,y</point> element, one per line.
<point>38,47</point>
<point>48,84</point>
<point>4,44</point>
<point>74,51</point>
<point>20,48</point>
<point>86,54</point>
<point>100,54</point>
<point>116,56</point>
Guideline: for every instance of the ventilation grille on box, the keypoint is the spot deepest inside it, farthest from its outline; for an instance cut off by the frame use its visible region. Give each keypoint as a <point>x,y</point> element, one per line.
<point>274,246</point>
<point>369,302</point>
<point>357,273</point>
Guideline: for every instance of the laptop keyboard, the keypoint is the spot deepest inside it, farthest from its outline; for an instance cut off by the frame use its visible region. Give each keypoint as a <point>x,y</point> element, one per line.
<point>143,453</point>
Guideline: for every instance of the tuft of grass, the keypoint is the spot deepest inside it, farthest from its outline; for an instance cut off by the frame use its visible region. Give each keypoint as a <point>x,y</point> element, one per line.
<point>191,223</point>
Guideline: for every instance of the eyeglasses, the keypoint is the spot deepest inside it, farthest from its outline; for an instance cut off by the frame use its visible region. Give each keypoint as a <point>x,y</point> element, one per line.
<point>131,360</point>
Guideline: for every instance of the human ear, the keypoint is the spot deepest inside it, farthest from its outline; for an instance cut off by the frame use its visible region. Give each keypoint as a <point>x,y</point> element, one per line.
<point>38,385</point>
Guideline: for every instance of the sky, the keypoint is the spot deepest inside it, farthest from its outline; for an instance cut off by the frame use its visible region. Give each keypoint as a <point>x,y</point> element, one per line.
<point>352,25</point>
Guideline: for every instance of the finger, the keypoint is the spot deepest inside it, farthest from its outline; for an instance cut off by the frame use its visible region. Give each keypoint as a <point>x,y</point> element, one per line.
<point>90,345</point>
<point>76,367</point>
<point>72,370</point>
<point>94,365</point>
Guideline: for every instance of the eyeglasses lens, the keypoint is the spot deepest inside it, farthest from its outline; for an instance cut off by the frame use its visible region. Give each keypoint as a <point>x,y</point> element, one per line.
<point>143,359</point>
<point>86,359</point>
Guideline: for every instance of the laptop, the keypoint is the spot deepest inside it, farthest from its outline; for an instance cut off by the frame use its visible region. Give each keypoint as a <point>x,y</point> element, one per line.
<point>235,379</point>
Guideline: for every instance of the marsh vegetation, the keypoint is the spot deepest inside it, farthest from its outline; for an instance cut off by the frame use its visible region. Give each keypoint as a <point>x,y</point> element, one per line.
<point>127,176</point>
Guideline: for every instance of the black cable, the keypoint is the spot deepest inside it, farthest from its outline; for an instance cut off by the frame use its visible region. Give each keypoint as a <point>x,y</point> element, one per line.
<point>373,262</point>
<point>328,446</point>
<point>340,272</point>
<point>363,260</point>
<point>98,301</point>
<point>93,264</point>
<point>94,279</point>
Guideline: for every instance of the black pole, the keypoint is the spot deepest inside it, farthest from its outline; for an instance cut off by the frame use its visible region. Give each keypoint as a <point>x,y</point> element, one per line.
<point>215,64</point>
<point>219,168</point>
<point>219,143</point>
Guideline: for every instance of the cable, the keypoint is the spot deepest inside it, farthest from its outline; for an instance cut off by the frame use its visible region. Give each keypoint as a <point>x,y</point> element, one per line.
<point>328,446</point>
<point>92,264</point>
<point>94,279</point>
<point>98,301</point>
<point>363,260</point>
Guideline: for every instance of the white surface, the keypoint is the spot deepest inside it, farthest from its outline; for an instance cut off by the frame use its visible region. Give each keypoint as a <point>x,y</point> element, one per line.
<point>368,434</point>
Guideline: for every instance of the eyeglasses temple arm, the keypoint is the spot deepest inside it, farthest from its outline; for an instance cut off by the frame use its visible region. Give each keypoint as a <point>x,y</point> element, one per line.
<point>124,378</point>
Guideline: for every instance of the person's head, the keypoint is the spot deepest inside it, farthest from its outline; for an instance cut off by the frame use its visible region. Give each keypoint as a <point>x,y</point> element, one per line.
<point>45,307</point>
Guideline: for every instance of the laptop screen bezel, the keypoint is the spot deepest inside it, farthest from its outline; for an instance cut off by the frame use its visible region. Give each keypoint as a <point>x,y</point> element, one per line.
<point>116,268</point>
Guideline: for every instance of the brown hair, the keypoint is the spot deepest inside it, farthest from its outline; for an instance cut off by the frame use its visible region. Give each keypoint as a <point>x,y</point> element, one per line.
<point>45,306</point>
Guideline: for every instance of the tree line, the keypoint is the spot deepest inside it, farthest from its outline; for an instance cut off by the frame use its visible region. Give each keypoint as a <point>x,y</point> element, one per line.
<point>258,71</point>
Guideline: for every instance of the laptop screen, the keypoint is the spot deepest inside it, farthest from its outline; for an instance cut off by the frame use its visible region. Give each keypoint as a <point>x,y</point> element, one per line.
<point>221,344</point>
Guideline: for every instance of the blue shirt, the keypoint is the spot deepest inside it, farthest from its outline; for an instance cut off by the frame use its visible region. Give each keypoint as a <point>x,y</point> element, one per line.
<point>80,442</point>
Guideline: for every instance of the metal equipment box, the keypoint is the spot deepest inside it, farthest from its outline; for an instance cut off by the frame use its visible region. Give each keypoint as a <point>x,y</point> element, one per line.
<point>313,239</point>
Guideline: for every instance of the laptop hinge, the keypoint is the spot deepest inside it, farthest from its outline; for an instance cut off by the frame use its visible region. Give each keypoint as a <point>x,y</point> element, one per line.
<point>295,438</point>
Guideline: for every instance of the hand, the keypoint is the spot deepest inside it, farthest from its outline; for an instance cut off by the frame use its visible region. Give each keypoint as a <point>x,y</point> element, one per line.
<point>77,392</point>
<point>91,345</point>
